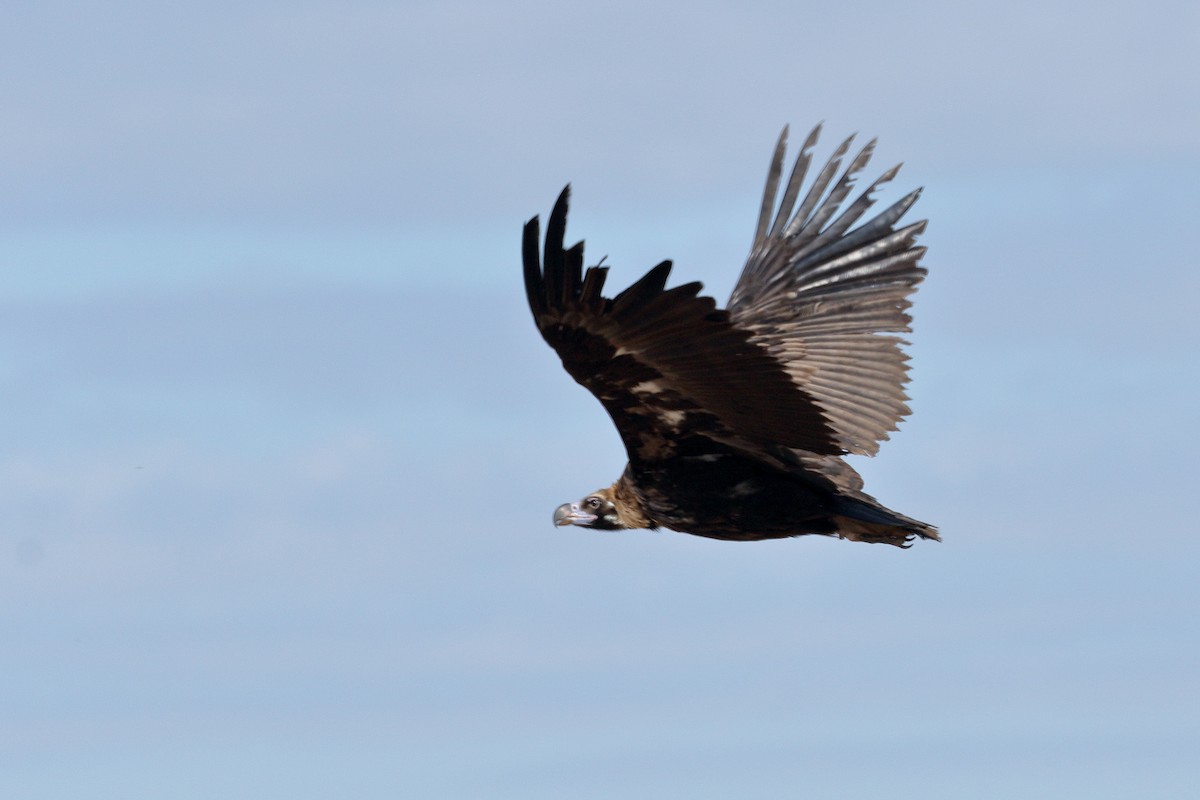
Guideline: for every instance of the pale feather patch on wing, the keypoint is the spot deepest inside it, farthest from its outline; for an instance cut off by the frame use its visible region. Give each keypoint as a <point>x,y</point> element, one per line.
<point>672,418</point>
<point>822,298</point>
<point>648,388</point>
<point>744,489</point>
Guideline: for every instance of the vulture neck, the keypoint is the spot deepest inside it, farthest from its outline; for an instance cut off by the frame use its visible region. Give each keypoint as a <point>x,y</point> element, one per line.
<point>631,508</point>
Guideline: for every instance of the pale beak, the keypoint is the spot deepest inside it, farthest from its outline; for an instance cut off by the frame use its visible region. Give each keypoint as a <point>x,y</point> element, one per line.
<point>572,514</point>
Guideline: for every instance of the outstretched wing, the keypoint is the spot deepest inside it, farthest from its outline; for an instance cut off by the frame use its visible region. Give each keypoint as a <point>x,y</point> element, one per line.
<point>662,361</point>
<point>822,298</point>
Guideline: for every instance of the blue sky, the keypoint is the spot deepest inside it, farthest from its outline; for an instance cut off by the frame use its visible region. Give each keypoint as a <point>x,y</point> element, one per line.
<point>281,443</point>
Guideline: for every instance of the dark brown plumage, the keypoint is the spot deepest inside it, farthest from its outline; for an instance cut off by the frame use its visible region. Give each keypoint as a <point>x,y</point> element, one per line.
<point>736,420</point>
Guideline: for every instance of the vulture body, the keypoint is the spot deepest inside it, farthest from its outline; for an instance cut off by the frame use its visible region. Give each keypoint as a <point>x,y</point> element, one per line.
<point>736,420</point>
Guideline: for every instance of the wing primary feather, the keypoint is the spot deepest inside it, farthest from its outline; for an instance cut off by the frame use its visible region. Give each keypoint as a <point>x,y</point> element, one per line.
<point>534,288</point>
<point>799,170</point>
<point>856,209</point>
<point>593,284</point>
<point>830,241</point>
<point>818,188</point>
<point>572,274</point>
<point>878,228</point>
<point>646,288</point>
<point>841,189</point>
<point>883,222</point>
<point>553,257</point>
<point>842,253</point>
<point>768,201</point>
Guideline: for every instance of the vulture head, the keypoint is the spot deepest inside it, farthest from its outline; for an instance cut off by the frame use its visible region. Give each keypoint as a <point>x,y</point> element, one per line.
<point>597,510</point>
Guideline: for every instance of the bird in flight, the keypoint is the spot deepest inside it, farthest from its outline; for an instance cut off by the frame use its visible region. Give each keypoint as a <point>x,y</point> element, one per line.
<point>736,420</point>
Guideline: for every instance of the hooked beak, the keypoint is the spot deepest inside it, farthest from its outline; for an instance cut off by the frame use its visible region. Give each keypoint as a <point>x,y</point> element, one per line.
<point>572,514</point>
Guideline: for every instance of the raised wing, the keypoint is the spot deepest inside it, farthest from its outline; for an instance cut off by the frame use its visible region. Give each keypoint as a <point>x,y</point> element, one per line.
<point>662,360</point>
<point>822,298</point>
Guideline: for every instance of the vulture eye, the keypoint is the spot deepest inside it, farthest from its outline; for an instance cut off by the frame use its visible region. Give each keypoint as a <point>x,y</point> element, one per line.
<point>593,502</point>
